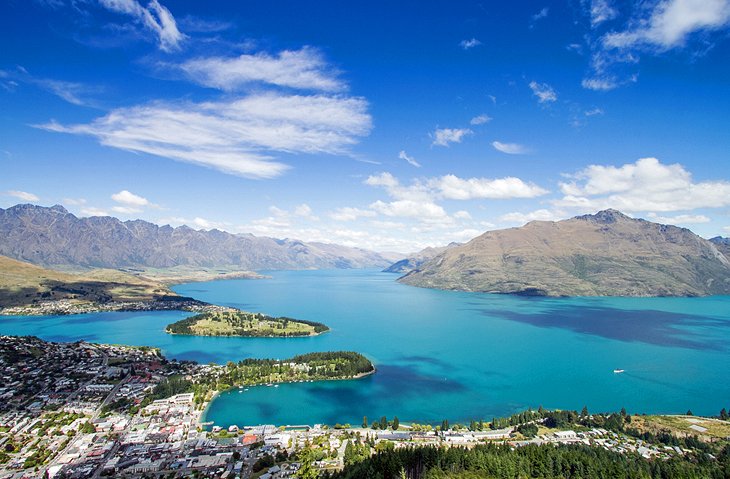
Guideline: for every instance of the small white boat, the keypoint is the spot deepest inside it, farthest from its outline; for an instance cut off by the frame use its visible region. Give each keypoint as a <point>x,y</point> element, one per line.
<point>618,371</point>
<point>276,385</point>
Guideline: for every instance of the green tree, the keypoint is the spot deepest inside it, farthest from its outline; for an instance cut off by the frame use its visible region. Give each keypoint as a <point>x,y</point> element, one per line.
<point>383,422</point>
<point>307,470</point>
<point>396,423</point>
<point>445,425</point>
<point>689,412</point>
<point>364,421</point>
<point>584,412</point>
<point>723,414</point>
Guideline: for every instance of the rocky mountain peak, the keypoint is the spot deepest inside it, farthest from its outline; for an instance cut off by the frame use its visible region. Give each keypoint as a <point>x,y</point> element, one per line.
<point>608,216</point>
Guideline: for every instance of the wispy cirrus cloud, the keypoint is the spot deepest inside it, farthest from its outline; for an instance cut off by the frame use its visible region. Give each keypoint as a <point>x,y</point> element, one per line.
<point>602,11</point>
<point>469,44</point>
<point>301,69</point>
<point>510,148</point>
<point>233,136</point>
<point>21,195</point>
<point>154,17</point>
<point>409,159</point>
<point>543,13</point>
<point>544,92</point>
<point>670,23</point>
<point>73,92</point>
<point>480,119</point>
<point>446,136</point>
<point>651,28</point>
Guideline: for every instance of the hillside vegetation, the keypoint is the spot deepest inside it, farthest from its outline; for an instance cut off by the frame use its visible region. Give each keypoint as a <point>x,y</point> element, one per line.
<point>25,284</point>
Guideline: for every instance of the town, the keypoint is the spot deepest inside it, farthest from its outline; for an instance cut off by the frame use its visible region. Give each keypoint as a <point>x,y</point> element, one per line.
<point>83,410</point>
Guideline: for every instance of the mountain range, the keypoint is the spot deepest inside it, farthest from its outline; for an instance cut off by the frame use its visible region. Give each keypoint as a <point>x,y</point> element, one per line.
<point>722,244</point>
<point>605,254</point>
<point>415,260</point>
<point>53,237</point>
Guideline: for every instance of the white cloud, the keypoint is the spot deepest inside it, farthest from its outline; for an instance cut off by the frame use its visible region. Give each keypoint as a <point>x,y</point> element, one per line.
<point>455,188</point>
<point>727,229</point>
<point>467,44</point>
<point>646,185</point>
<point>409,208</point>
<point>593,112</point>
<point>480,119</point>
<point>537,215</point>
<point>510,148</point>
<point>305,211</point>
<point>278,212</point>
<point>233,136</point>
<point>600,83</point>
<point>350,214</point>
<point>541,14</point>
<point>126,210</point>
<point>654,27</point>
<point>130,199</point>
<point>154,17</point>
<point>91,211</point>
<point>602,11</point>
<point>444,136</point>
<point>452,187</point>
<point>671,22</point>
<point>462,215</point>
<point>382,179</point>
<point>302,69</point>
<point>21,195</point>
<point>544,92</point>
<point>74,201</point>
<point>74,93</point>
<point>411,161</point>
<point>679,219</point>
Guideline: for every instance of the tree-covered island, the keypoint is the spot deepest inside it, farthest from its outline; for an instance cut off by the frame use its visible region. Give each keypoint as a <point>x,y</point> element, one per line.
<point>243,323</point>
<point>211,379</point>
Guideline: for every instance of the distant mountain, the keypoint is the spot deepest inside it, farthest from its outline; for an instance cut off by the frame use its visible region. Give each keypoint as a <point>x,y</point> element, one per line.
<point>54,237</point>
<point>606,254</point>
<point>722,244</point>
<point>414,261</point>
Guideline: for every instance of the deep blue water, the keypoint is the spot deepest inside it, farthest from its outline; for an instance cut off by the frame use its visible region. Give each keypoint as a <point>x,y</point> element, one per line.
<point>444,354</point>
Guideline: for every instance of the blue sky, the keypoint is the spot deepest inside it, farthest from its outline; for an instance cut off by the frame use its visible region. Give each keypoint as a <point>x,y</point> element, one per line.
<point>391,127</point>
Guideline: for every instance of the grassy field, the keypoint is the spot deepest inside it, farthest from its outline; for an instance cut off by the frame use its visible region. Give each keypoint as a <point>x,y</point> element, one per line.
<point>680,425</point>
<point>26,284</point>
<point>242,323</point>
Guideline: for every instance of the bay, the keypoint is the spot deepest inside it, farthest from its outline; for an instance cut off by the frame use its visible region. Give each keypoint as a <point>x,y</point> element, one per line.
<point>443,354</point>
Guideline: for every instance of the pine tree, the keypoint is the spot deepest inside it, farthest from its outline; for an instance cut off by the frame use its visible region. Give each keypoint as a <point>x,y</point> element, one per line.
<point>396,423</point>
<point>584,412</point>
<point>364,421</point>
<point>723,414</point>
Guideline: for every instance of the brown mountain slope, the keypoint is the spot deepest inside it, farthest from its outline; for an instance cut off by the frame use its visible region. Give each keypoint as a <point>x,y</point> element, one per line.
<point>25,284</point>
<point>606,254</point>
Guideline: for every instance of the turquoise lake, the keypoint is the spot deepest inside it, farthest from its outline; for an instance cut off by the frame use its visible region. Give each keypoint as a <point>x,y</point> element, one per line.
<point>443,354</point>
